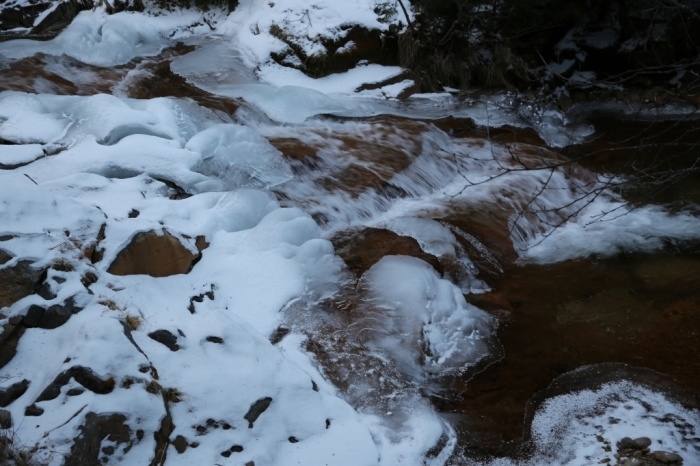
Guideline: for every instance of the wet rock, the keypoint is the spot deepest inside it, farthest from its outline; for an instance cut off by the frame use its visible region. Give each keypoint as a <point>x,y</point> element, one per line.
<point>97,427</point>
<point>666,457</point>
<point>152,254</point>
<point>10,394</point>
<point>52,317</point>
<point>166,338</point>
<point>17,281</point>
<point>5,419</point>
<point>256,409</point>
<point>84,376</point>
<point>62,16</point>
<point>361,249</point>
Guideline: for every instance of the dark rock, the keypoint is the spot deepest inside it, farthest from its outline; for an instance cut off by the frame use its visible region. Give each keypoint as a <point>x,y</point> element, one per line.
<point>152,254</point>
<point>626,442</point>
<point>200,298</point>
<point>216,340</point>
<point>52,317</point>
<point>293,440</point>
<point>75,392</point>
<point>45,291</point>
<point>236,449</point>
<point>10,394</point>
<point>88,279</point>
<point>108,450</point>
<point>62,16</point>
<point>84,376</point>
<point>33,410</point>
<point>134,213</point>
<point>666,457</point>
<point>250,463</point>
<point>86,447</point>
<point>162,437</point>
<point>12,332</point>
<point>17,281</point>
<point>314,387</point>
<point>21,17</point>
<point>180,444</point>
<point>166,338</point>
<point>227,426</point>
<point>642,442</point>
<point>328,423</point>
<point>279,334</point>
<point>226,453</point>
<point>256,409</point>
<point>5,419</point>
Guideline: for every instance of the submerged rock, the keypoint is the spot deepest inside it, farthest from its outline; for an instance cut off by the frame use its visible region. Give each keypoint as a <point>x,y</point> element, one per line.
<point>157,255</point>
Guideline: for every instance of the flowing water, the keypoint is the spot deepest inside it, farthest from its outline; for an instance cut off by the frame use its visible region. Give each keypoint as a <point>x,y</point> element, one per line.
<point>555,300</point>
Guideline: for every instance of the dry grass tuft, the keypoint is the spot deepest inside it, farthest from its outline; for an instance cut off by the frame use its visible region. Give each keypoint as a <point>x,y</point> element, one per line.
<point>133,322</point>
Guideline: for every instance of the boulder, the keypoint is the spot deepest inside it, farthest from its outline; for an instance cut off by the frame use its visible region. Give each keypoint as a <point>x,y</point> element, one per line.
<point>51,317</point>
<point>361,249</point>
<point>17,281</point>
<point>21,16</point>
<point>157,255</point>
<point>61,16</point>
<point>14,391</point>
<point>11,333</point>
<point>5,419</point>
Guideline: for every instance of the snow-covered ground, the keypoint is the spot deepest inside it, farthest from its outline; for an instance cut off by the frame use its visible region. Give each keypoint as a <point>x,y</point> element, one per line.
<point>85,173</point>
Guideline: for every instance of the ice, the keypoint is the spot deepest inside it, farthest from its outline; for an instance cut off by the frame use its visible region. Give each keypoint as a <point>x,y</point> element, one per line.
<point>421,320</point>
<point>96,38</point>
<point>239,157</point>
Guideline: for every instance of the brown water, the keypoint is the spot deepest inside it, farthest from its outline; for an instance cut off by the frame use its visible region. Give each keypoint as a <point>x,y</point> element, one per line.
<point>640,309</point>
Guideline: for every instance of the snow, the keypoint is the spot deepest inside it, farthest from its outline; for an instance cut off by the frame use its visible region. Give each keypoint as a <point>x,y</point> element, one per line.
<point>260,258</point>
<point>566,428</point>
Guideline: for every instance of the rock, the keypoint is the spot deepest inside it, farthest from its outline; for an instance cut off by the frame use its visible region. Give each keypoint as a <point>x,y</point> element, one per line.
<point>627,442</point>
<point>666,457</point>
<point>17,281</point>
<point>642,442</point>
<point>5,419</point>
<point>361,249</point>
<point>162,438</point>
<point>84,376</point>
<point>180,444</point>
<point>97,427</point>
<point>50,318</point>
<point>21,17</point>
<point>62,16</point>
<point>279,334</point>
<point>217,340</point>
<point>33,410</point>
<point>152,254</point>
<point>256,409</point>
<point>8,395</point>
<point>12,332</point>
<point>166,338</point>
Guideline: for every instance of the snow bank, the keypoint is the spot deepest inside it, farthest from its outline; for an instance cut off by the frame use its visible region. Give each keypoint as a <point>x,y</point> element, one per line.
<point>571,429</point>
<point>117,169</point>
<point>99,39</point>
